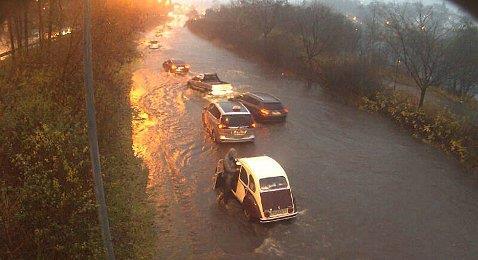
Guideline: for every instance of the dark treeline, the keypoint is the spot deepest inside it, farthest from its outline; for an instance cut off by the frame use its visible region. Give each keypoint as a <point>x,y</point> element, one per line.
<point>311,40</point>
<point>361,56</point>
<point>26,21</point>
<point>431,44</point>
<point>47,203</point>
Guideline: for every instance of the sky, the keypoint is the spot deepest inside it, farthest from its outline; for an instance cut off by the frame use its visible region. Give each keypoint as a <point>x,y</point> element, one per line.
<point>203,4</point>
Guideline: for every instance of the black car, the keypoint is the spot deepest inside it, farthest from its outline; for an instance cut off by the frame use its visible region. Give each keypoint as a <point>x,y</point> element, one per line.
<point>176,66</point>
<point>263,106</point>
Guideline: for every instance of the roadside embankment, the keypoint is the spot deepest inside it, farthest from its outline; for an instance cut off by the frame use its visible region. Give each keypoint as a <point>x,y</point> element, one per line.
<point>47,202</point>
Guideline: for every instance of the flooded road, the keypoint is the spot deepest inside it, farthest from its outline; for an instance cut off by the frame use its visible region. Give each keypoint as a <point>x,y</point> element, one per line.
<point>364,188</point>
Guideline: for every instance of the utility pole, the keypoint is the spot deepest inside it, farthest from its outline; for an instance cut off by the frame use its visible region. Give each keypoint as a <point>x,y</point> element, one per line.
<point>92,136</point>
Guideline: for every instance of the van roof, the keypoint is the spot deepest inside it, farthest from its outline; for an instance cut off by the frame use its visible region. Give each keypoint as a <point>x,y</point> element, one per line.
<point>263,167</point>
<point>232,107</point>
<point>264,97</point>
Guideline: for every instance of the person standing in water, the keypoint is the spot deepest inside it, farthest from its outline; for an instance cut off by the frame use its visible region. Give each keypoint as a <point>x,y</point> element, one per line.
<point>230,174</point>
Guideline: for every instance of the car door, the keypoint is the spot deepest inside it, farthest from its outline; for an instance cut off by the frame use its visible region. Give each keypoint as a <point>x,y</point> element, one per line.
<point>192,82</point>
<point>253,106</point>
<point>242,184</point>
<point>247,101</point>
<point>202,84</point>
<point>197,81</point>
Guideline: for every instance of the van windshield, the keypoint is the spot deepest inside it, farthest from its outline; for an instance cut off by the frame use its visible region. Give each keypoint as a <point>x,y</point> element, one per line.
<point>273,183</point>
<point>237,120</point>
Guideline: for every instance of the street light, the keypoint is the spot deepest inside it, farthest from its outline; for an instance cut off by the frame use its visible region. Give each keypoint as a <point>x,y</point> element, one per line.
<point>92,136</point>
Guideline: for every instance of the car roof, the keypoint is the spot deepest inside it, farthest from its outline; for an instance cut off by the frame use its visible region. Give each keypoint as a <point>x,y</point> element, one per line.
<point>226,107</point>
<point>263,167</point>
<point>178,61</point>
<point>264,97</point>
<point>206,74</point>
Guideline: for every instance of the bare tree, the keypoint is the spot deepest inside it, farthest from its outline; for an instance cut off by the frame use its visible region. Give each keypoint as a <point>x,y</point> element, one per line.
<point>416,34</point>
<point>40,6</point>
<point>266,14</point>
<point>321,30</point>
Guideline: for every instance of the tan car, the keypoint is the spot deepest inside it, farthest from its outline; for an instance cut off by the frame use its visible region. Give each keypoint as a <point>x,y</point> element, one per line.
<point>228,121</point>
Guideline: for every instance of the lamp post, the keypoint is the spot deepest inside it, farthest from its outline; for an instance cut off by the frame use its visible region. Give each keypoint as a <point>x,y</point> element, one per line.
<point>396,74</point>
<point>92,136</point>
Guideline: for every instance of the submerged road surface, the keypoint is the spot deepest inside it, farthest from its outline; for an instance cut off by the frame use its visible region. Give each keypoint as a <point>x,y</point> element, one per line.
<point>364,188</point>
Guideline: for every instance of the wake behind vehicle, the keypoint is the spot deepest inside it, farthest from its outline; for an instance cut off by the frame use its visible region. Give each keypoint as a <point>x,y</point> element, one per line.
<point>228,121</point>
<point>176,66</point>
<point>154,45</point>
<point>263,106</point>
<point>261,185</point>
<point>211,84</point>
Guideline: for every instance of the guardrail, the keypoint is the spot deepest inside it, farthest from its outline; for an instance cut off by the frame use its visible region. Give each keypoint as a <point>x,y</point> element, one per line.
<point>4,55</point>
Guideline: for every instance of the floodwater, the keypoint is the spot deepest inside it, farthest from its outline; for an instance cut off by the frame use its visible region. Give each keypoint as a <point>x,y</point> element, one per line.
<point>364,188</point>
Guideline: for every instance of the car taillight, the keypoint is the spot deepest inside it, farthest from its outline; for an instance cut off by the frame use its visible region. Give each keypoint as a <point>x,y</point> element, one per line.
<point>286,110</point>
<point>264,112</point>
<point>290,209</point>
<point>222,126</point>
<point>267,214</point>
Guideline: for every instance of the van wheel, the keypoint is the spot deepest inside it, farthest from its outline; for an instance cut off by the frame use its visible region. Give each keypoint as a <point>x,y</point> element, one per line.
<point>215,137</point>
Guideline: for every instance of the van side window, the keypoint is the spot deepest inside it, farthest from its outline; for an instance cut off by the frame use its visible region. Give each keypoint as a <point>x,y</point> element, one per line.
<point>215,112</point>
<point>252,185</point>
<point>243,175</point>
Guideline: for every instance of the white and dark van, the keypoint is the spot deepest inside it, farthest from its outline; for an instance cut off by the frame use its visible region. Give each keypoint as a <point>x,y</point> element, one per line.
<point>262,187</point>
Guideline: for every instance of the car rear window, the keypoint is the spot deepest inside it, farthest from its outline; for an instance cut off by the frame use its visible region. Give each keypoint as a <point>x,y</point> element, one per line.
<point>273,106</point>
<point>179,62</point>
<point>273,183</point>
<point>211,78</point>
<point>237,120</point>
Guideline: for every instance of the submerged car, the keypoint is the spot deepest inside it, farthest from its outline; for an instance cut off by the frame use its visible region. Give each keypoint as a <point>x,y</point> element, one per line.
<point>211,84</point>
<point>228,121</point>
<point>176,66</point>
<point>154,45</point>
<point>263,106</point>
<point>262,187</point>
